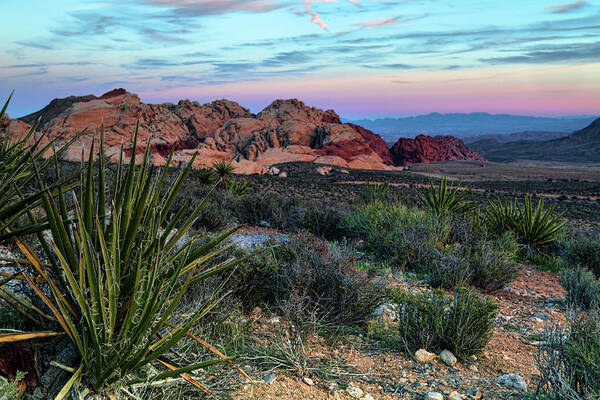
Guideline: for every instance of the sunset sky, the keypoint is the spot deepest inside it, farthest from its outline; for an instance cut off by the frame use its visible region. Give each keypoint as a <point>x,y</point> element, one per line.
<point>359,57</point>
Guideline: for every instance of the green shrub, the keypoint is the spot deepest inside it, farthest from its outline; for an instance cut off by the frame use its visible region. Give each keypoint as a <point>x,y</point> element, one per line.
<point>269,207</point>
<point>448,269</point>
<point>582,247</point>
<point>313,284</point>
<point>321,220</point>
<point>462,323</point>
<point>402,236</point>
<point>443,199</point>
<point>569,359</point>
<point>488,265</point>
<point>492,263</point>
<point>583,289</point>
<point>205,176</point>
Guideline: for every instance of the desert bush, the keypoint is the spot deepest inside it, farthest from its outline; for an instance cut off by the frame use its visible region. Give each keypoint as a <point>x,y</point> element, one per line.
<point>314,285</point>
<point>583,289</point>
<point>270,207</point>
<point>443,199</point>
<point>487,265</point>
<point>321,220</point>
<point>569,359</point>
<point>493,263</point>
<point>448,269</point>
<point>117,273</point>
<point>582,247</point>
<point>462,323</point>
<point>533,226</point>
<point>406,237</point>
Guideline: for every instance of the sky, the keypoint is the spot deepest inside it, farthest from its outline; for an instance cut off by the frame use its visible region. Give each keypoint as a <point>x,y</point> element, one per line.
<point>363,58</point>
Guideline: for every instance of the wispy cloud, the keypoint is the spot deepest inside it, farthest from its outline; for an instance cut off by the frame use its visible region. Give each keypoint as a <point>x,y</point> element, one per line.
<point>566,7</point>
<point>380,22</point>
<point>213,7</point>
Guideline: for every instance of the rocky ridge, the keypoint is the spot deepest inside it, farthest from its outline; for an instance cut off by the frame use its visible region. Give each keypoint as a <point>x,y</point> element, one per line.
<point>285,131</point>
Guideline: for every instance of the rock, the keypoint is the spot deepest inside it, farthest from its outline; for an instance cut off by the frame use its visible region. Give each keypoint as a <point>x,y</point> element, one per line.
<point>308,381</point>
<point>424,356</point>
<point>448,358</point>
<point>512,381</point>
<point>425,149</point>
<point>454,395</point>
<point>274,320</point>
<point>434,396</point>
<point>264,224</point>
<point>282,174</point>
<point>473,368</point>
<point>285,131</point>
<point>268,379</point>
<point>354,392</point>
<point>367,396</point>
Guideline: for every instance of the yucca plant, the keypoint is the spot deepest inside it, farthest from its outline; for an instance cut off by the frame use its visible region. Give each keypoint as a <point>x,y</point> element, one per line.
<point>499,217</point>
<point>444,199</point>
<point>532,226</point>
<point>537,226</point>
<point>206,176</point>
<point>118,269</point>
<point>223,169</point>
<point>238,188</point>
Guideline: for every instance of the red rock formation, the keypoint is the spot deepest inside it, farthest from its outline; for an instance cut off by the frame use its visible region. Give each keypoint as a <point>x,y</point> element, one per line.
<point>375,142</point>
<point>425,149</point>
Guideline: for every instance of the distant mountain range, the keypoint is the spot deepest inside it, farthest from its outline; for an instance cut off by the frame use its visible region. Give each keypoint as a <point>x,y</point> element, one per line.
<point>581,146</point>
<point>473,124</point>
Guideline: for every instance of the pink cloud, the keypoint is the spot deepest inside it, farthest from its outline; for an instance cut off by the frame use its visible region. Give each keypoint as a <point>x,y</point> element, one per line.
<point>316,19</point>
<point>566,7</point>
<point>380,22</point>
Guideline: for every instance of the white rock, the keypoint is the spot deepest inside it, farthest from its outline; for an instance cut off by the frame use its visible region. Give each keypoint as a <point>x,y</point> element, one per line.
<point>434,396</point>
<point>354,392</point>
<point>308,381</point>
<point>424,356</point>
<point>283,174</point>
<point>454,395</point>
<point>512,381</point>
<point>368,397</point>
<point>448,358</point>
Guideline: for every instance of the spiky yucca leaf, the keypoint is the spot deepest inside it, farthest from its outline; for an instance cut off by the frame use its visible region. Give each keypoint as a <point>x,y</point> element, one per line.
<point>223,169</point>
<point>18,158</point>
<point>444,199</point>
<point>238,188</point>
<point>537,226</point>
<point>532,226</point>
<point>500,216</point>
<point>123,269</point>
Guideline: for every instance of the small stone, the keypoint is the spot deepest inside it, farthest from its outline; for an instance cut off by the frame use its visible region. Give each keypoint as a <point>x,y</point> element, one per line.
<point>424,356</point>
<point>274,320</point>
<point>264,224</point>
<point>448,358</point>
<point>434,396</point>
<point>473,367</point>
<point>512,381</point>
<point>454,395</point>
<point>308,381</point>
<point>283,174</point>
<point>268,379</point>
<point>368,397</point>
<point>354,392</point>
<point>475,394</point>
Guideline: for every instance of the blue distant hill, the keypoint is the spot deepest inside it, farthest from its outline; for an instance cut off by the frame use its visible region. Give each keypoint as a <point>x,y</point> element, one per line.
<point>473,124</point>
